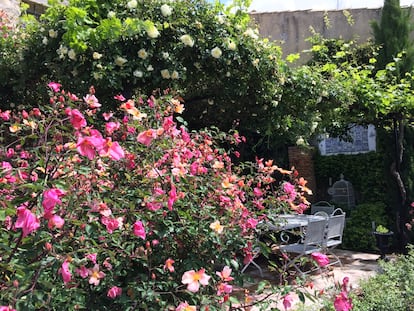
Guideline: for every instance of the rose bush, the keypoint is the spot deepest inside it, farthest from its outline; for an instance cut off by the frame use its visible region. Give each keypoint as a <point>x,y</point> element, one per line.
<point>212,54</point>
<point>126,209</point>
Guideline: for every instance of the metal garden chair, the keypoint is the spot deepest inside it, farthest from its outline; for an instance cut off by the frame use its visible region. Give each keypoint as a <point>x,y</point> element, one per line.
<point>314,237</point>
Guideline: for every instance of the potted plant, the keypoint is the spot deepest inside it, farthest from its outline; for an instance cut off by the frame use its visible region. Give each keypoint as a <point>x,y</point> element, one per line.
<point>382,237</point>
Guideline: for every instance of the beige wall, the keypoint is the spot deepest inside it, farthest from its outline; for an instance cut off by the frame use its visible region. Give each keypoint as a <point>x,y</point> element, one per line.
<point>292,28</point>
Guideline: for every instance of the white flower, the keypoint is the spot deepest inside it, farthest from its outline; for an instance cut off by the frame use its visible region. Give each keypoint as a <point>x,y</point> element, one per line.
<point>251,33</point>
<point>142,54</point>
<point>255,62</point>
<point>228,74</point>
<point>132,4</point>
<point>165,55</point>
<point>175,75</point>
<point>45,40</point>
<point>99,66</point>
<point>221,19</point>
<point>187,40</point>
<point>96,55</point>
<point>74,72</point>
<point>216,52</point>
<point>111,14</point>
<point>120,61</point>
<point>72,54</point>
<point>138,73</point>
<point>165,74</point>
<point>150,68</point>
<point>231,45</point>
<point>166,10</point>
<point>152,31</point>
<point>53,33</point>
<point>62,51</point>
<point>97,75</point>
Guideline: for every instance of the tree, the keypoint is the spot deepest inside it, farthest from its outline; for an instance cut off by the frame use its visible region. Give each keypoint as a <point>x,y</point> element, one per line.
<point>393,35</point>
<point>397,51</point>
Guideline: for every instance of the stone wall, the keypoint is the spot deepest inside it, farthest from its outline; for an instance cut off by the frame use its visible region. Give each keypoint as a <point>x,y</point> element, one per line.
<point>292,28</point>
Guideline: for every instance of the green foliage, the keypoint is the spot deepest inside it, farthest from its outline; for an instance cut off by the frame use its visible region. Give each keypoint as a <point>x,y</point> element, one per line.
<point>391,289</point>
<point>358,227</point>
<point>366,172</point>
<point>393,35</point>
<point>140,46</point>
<point>135,202</point>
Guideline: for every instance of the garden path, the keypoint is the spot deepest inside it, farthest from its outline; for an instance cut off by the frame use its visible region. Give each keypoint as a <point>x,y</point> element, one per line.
<point>355,265</point>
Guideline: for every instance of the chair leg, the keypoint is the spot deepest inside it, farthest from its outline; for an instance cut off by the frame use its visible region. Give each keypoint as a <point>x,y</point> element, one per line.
<point>252,262</point>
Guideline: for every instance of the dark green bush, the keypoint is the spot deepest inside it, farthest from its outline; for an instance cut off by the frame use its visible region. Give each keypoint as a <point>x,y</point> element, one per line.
<point>391,290</point>
<point>358,228</point>
<point>365,171</point>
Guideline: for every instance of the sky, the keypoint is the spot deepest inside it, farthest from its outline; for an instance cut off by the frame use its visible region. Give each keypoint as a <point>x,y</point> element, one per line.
<point>293,5</point>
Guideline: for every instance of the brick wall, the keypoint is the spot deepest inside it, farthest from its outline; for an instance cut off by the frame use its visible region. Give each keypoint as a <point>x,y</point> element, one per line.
<point>302,159</point>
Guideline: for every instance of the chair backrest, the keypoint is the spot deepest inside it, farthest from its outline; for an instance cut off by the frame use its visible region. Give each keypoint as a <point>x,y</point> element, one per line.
<point>322,206</point>
<point>315,232</point>
<point>336,224</point>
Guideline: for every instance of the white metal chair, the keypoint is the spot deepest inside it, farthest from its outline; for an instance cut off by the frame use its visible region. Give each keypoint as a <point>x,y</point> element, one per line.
<point>322,206</point>
<point>334,233</point>
<point>311,242</point>
<point>255,255</point>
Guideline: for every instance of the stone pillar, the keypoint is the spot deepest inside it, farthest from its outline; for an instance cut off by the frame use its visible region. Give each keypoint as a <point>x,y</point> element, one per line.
<point>302,159</point>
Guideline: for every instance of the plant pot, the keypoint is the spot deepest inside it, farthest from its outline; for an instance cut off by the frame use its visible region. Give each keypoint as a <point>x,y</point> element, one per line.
<point>383,242</point>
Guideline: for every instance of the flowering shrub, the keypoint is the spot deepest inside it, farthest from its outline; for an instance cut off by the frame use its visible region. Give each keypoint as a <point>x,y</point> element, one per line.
<point>212,54</point>
<point>126,209</point>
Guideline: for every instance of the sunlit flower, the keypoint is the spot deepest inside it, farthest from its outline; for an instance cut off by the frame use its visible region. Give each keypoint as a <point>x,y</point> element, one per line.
<point>54,86</point>
<point>193,279</point>
<point>138,73</point>
<point>55,222</point>
<point>320,258</point>
<point>14,128</point>
<point>114,292</point>
<point>139,230</point>
<point>174,75</point>
<point>184,306</point>
<point>92,101</point>
<point>251,33</point>
<point>132,4</point>
<point>146,137</point>
<point>77,119</point>
<point>169,265</point>
<point>96,55</point>
<point>165,74</point>
<point>95,275</point>
<point>83,272</point>
<point>216,226</point>
<point>216,52</point>
<point>72,54</point>
<point>120,61</point>
<point>112,149</point>
<point>343,302</point>
<point>166,10</point>
<point>53,33</point>
<point>287,301</point>
<point>231,45</point>
<point>65,272</point>
<point>51,197</point>
<point>187,40</point>
<point>225,274</point>
<point>142,54</point>
<point>152,31</point>
<point>26,220</point>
